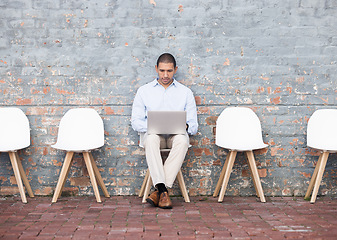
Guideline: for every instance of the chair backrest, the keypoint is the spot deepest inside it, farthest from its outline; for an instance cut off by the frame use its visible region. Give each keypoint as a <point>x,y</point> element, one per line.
<point>14,129</point>
<point>80,129</point>
<point>238,128</point>
<point>322,130</point>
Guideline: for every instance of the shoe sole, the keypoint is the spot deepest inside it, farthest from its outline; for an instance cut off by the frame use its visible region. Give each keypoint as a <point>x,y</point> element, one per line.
<point>151,202</point>
<point>166,207</point>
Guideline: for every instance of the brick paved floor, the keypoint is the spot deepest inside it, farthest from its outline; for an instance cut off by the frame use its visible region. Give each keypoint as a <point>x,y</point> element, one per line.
<point>124,217</point>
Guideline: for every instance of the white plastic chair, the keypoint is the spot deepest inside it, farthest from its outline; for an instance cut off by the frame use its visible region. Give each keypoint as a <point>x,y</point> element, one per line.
<point>239,130</point>
<point>321,135</point>
<point>15,135</point>
<point>147,182</point>
<point>80,130</point>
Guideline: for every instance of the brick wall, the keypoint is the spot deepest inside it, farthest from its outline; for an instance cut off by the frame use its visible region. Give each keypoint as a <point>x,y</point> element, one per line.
<point>276,57</point>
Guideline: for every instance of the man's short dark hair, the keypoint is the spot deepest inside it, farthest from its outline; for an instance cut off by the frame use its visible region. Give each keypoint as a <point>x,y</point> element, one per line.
<point>167,58</point>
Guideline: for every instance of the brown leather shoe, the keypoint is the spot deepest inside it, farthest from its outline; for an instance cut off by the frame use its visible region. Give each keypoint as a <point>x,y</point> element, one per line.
<point>165,201</point>
<point>153,198</point>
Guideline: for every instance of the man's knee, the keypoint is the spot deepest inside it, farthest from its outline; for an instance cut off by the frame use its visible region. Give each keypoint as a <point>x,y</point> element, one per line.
<point>181,140</point>
<point>151,139</point>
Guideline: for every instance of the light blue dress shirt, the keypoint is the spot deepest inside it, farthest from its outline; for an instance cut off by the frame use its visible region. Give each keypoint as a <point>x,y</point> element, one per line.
<point>154,97</point>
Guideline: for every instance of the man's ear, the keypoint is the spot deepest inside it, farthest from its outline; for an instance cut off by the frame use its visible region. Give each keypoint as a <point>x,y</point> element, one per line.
<point>175,70</point>
<point>156,68</point>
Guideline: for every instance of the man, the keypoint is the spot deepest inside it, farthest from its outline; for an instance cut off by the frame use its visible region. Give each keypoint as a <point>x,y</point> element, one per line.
<point>164,94</point>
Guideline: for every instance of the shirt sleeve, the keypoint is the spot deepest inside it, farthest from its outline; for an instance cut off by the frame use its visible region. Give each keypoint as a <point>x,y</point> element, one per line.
<point>191,110</point>
<point>138,115</point>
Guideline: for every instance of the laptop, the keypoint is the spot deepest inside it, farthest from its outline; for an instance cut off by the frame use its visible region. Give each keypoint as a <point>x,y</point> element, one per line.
<point>166,122</point>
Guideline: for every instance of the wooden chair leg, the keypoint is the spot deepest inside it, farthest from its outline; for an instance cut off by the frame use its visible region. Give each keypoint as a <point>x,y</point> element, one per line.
<point>222,174</point>
<point>182,186</point>
<point>98,176</point>
<point>319,176</point>
<point>142,189</point>
<point>23,176</point>
<point>255,175</point>
<point>63,175</point>
<point>254,182</point>
<point>313,178</point>
<point>64,182</point>
<point>17,175</point>
<point>147,189</point>
<point>227,174</point>
<point>91,172</point>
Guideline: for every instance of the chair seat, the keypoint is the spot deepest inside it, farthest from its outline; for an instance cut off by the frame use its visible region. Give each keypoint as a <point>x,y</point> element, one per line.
<point>11,148</point>
<point>75,148</point>
<point>244,148</point>
<point>330,149</point>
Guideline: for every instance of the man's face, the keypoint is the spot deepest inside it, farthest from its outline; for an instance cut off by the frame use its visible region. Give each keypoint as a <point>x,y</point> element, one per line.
<point>165,73</point>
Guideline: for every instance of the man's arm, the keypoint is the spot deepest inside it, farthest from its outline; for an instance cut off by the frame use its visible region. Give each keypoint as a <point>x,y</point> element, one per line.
<point>138,115</point>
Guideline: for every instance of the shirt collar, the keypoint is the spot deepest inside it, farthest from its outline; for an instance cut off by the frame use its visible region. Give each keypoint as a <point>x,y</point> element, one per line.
<point>156,83</point>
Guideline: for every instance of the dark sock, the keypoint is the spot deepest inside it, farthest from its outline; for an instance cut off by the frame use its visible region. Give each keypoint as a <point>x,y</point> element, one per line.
<point>161,187</point>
